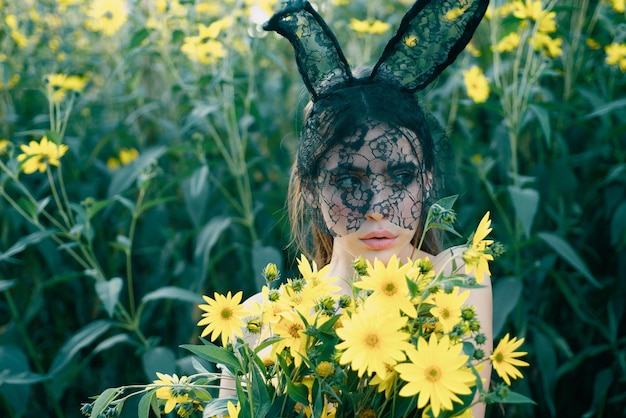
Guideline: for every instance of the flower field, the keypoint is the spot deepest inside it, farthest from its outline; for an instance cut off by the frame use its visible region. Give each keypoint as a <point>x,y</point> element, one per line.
<point>145,151</point>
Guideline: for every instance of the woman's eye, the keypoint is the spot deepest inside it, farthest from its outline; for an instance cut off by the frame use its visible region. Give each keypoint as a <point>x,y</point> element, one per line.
<point>348,181</point>
<point>404,176</point>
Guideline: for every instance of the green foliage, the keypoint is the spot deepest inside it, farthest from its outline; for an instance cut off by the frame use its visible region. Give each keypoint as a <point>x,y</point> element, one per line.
<point>102,266</point>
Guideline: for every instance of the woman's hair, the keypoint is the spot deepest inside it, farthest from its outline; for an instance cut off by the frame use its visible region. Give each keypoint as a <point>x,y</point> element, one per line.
<point>335,117</point>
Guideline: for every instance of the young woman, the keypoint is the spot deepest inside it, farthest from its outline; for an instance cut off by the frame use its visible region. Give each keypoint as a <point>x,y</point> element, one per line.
<point>367,169</point>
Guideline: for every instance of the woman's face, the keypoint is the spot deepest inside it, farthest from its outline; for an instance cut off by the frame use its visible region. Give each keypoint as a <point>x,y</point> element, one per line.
<point>370,188</point>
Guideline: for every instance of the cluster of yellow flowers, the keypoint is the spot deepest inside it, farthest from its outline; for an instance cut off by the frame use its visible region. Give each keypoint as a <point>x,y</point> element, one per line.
<point>402,332</point>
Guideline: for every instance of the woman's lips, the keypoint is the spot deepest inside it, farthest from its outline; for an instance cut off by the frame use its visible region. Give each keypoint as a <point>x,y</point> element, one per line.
<point>378,240</point>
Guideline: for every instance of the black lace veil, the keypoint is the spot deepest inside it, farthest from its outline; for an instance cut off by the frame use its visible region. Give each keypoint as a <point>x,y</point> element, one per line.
<point>366,143</point>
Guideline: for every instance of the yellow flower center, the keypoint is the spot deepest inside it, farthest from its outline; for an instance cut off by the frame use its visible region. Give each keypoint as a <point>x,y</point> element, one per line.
<point>498,358</point>
<point>433,374</point>
<point>445,313</point>
<point>294,330</point>
<point>226,313</point>
<point>390,289</point>
<point>371,340</point>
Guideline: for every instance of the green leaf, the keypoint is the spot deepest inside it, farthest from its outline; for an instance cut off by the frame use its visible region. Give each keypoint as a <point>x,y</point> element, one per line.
<point>108,292</point>
<point>24,242</point>
<point>215,354</point>
<point>618,226</point>
<point>147,402</point>
<point>158,359</point>
<point>206,239</point>
<point>138,37</point>
<point>525,202</point>
<point>260,397</point>
<point>196,193</point>
<point>173,292</point>
<point>78,341</point>
<point>513,397</point>
<point>565,250</point>
<point>7,284</point>
<point>506,295</point>
<point>607,108</point>
<point>128,174</point>
<point>447,202</point>
<point>103,400</point>
<point>15,378</point>
<point>544,121</point>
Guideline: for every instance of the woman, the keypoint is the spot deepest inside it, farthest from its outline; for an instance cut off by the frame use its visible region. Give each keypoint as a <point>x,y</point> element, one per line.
<point>367,167</point>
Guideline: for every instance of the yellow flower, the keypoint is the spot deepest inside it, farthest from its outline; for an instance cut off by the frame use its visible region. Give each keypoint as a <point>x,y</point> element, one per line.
<point>75,83</point>
<point>224,316</point>
<point>504,358</point>
<point>390,291</point>
<point>375,27</point>
<point>107,16</point>
<point>4,144</point>
<point>317,283</point>
<point>436,372</point>
<point>447,308</point>
<point>592,43</point>
<point>616,55</point>
<point>233,411</point>
<point>475,258</point>
<point>204,48</point>
<point>172,389</point>
<point>618,5</point>
<point>128,155</point>
<point>385,383</point>
<point>528,9</point>
<point>476,84</point>
<point>38,155</point>
<point>552,46</point>
<point>291,329</point>
<point>372,340</point>
<point>509,43</point>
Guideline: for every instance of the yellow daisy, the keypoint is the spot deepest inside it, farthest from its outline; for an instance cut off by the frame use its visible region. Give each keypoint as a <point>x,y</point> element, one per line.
<point>316,281</point>
<point>447,308</point>
<point>38,155</point>
<point>292,331</point>
<point>172,389</point>
<point>224,316</point>
<point>437,372</point>
<point>107,16</point>
<point>372,341</point>
<point>476,84</point>
<point>504,358</point>
<point>390,291</point>
<point>475,256</point>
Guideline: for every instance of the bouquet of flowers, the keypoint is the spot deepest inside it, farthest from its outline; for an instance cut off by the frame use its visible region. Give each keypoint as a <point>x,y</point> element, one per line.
<point>403,343</point>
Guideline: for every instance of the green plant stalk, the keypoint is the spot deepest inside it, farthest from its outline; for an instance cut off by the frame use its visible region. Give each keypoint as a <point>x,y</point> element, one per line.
<point>30,348</point>
<point>129,251</point>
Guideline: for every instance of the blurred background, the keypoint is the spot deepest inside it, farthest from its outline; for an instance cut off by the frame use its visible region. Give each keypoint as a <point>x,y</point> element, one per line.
<point>180,120</point>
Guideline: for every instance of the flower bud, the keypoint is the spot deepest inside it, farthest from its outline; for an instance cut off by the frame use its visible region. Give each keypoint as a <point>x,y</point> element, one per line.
<point>325,369</point>
<point>360,266</point>
<point>270,273</point>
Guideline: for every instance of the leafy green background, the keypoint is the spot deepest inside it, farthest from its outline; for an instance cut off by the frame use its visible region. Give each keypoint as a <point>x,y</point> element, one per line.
<point>202,207</point>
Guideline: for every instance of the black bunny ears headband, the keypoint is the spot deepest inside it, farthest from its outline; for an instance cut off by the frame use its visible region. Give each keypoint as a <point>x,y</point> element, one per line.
<point>431,35</point>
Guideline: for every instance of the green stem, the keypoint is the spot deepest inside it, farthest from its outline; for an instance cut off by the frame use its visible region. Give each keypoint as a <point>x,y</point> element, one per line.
<point>129,251</point>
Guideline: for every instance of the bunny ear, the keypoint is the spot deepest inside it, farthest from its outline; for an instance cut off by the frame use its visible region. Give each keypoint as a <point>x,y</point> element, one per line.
<point>320,60</point>
<point>430,36</point>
